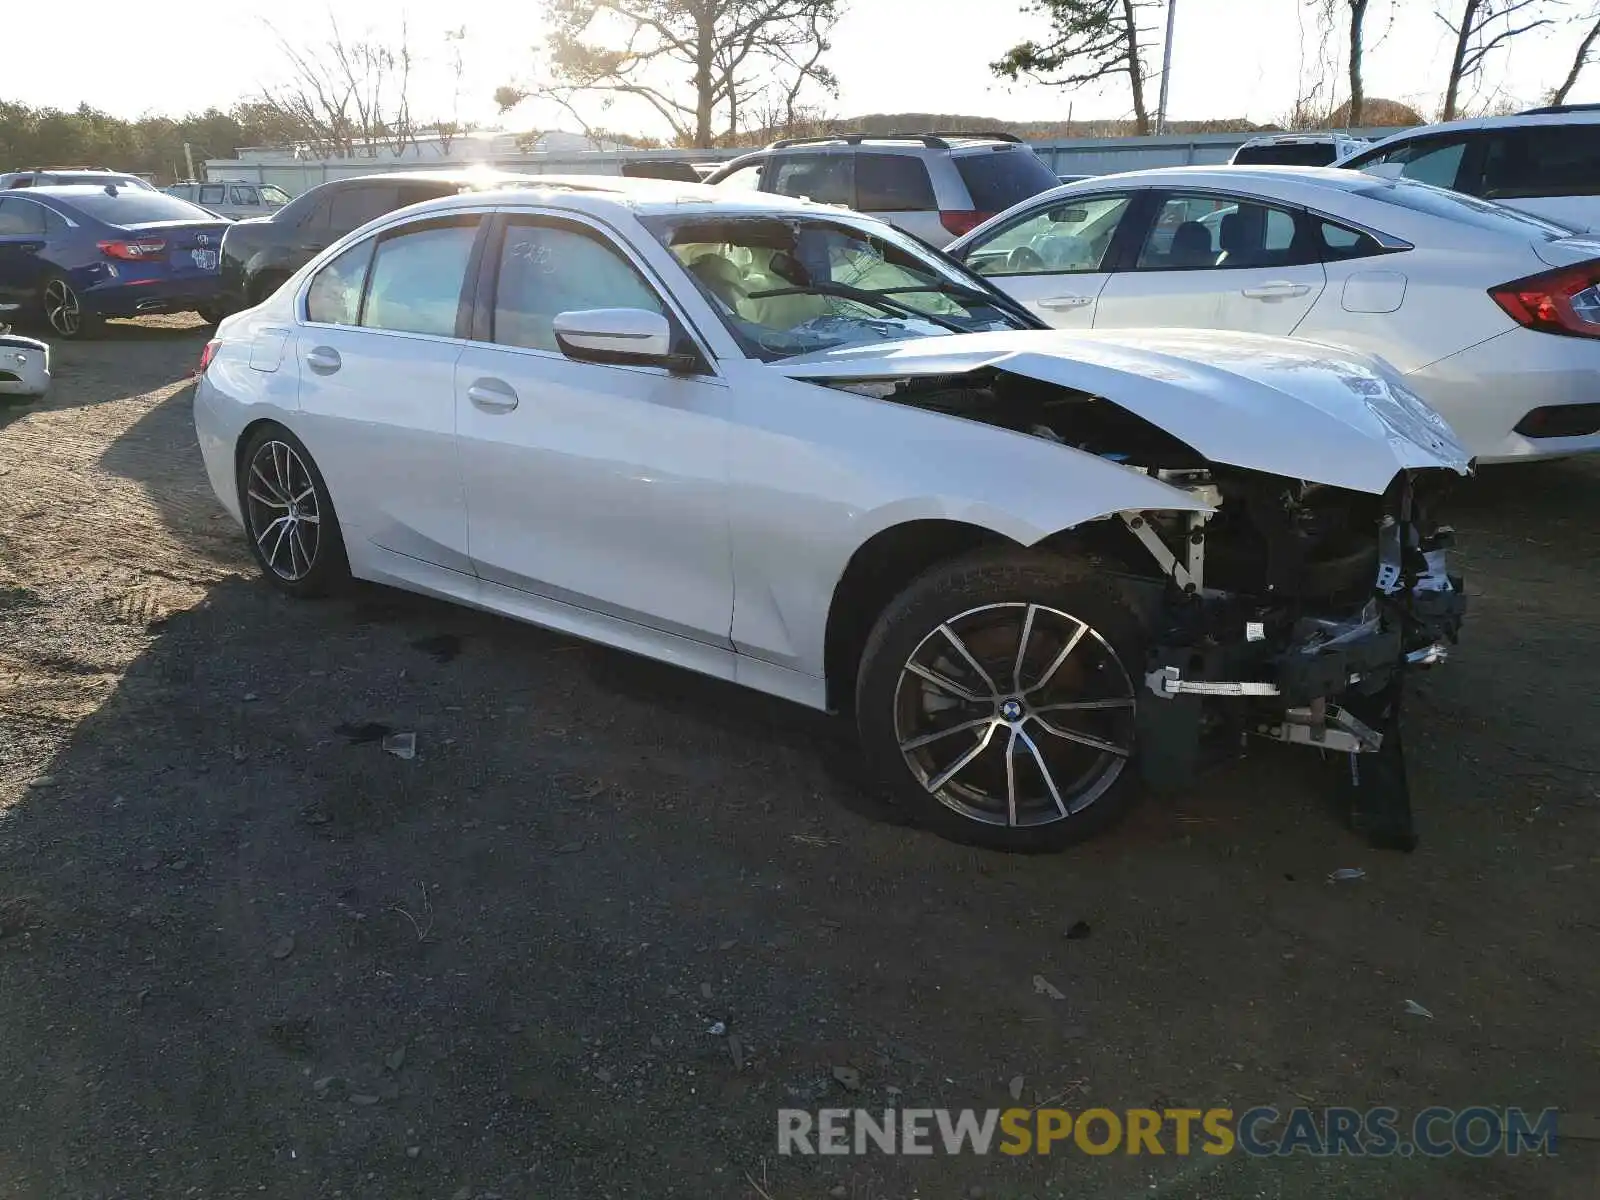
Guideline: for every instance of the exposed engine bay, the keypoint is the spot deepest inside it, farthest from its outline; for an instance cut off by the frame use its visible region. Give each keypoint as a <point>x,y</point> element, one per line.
<point>1290,611</point>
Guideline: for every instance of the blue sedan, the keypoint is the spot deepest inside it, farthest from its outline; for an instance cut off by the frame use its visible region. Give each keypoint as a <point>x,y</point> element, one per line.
<point>77,255</point>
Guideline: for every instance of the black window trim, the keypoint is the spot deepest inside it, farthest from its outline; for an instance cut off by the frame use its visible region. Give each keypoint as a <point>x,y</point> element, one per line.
<point>1107,264</point>
<point>478,323</point>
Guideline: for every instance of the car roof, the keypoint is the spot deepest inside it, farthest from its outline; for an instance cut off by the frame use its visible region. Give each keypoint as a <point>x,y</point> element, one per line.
<point>1534,120</point>
<point>473,175</point>
<point>616,195</point>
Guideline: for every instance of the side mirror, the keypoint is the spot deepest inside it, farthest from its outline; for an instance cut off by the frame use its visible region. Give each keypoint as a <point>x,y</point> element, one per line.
<point>624,336</point>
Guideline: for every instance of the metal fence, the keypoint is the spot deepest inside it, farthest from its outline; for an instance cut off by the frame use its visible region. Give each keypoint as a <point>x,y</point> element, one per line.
<point>1073,156</point>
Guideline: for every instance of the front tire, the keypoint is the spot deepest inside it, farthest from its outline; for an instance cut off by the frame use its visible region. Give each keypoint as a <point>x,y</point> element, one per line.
<point>996,697</point>
<point>289,516</point>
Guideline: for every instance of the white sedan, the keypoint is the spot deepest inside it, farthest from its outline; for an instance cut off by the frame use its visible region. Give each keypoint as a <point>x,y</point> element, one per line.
<point>791,447</point>
<point>1491,315</point>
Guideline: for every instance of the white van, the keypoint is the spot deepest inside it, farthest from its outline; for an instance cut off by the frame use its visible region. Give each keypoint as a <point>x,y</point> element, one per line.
<point>235,200</point>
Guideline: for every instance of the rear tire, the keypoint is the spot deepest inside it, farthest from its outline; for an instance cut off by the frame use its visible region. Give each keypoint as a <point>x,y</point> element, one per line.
<point>289,516</point>
<point>996,698</point>
<point>212,314</point>
<point>63,313</point>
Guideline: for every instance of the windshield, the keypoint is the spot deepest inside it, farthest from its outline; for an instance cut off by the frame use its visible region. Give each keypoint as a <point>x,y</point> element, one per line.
<point>786,286</point>
<point>273,195</point>
<point>1454,206</point>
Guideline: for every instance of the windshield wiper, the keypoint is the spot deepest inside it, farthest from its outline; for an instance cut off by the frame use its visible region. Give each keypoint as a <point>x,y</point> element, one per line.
<point>864,296</point>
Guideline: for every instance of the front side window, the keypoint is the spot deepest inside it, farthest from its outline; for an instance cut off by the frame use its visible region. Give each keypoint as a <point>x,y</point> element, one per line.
<point>785,286</point>
<point>549,269</point>
<point>893,183</point>
<point>825,178</point>
<point>1340,243</point>
<point>21,217</point>
<point>1072,235</point>
<point>212,194</point>
<point>416,278</point>
<point>334,297</point>
<point>271,194</point>
<point>1192,232</point>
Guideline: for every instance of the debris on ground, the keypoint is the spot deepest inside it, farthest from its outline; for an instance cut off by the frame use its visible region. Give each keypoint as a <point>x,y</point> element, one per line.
<point>848,1078</point>
<point>284,946</point>
<point>1077,931</point>
<point>1015,1087</point>
<point>1347,875</point>
<point>364,1099</point>
<point>442,648</point>
<point>1417,1010</point>
<point>401,745</point>
<point>718,1028</point>
<point>396,1059</point>
<point>367,731</point>
<point>736,1051</point>
<point>1044,987</point>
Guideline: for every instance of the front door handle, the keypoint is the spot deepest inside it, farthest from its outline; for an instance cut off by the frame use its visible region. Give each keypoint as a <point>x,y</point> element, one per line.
<point>324,360</point>
<point>1063,303</point>
<point>1277,290</point>
<point>492,396</point>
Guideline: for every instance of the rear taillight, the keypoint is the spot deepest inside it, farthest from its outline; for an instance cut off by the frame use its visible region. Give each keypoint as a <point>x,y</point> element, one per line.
<point>960,221</point>
<point>207,355</point>
<point>1566,300</point>
<point>139,250</point>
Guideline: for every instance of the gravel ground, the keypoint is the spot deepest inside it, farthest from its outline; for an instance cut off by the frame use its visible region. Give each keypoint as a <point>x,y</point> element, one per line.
<point>244,952</point>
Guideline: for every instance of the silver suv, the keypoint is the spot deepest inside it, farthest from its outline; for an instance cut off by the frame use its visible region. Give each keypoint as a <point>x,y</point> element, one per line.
<point>935,186</point>
<point>234,199</point>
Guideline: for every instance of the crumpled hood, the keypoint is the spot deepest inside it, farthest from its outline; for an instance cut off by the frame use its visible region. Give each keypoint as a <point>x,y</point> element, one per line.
<point>1319,413</point>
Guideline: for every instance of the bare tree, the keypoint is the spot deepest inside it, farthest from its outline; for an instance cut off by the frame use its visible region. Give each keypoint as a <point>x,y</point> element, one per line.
<point>732,50</point>
<point>1090,41</point>
<point>1584,56</point>
<point>448,129</point>
<point>340,96</point>
<point>1482,27</point>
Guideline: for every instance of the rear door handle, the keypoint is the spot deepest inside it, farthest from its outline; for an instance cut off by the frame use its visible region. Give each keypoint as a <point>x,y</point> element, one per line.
<point>1277,290</point>
<point>1063,303</point>
<point>324,360</point>
<point>492,396</point>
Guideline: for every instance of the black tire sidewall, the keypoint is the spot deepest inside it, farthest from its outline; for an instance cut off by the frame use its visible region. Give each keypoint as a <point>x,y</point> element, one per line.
<point>951,588</point>
<point>331,572</point>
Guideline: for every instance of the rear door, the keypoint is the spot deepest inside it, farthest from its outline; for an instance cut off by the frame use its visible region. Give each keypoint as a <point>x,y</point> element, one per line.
<point>378,350</point>
<point>1055,258</point>
<point>22,244</point>
<point>1214,261</point>
<point>896,188</point>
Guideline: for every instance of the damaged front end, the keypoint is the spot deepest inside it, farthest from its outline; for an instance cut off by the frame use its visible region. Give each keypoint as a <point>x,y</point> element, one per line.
<point>1292,612</point>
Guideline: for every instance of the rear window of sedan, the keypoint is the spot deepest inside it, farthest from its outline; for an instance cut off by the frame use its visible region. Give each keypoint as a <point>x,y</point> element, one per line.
<point>1454,206</point>
<point>134,206</point>
<point>997,179</point>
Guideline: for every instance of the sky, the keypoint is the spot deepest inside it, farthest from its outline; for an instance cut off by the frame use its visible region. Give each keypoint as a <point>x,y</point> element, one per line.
<point>1231,58</point>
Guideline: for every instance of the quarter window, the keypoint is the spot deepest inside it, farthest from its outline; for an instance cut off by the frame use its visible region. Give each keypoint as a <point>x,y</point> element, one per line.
<point>893,183</point>
<point>334,297</point>
<point>1339,243</point>
<point>1070,236</point>
<point>546,270</point>
<point>415,282</point>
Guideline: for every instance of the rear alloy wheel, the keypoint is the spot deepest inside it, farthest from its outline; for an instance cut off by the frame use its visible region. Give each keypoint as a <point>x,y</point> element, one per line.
<point>289,518</point>
<point>997,697</point>
<point>63,310</point>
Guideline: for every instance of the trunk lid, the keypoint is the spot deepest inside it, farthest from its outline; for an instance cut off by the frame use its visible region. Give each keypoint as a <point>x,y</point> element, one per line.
<point>1563,252</point>
<point>191,245</point>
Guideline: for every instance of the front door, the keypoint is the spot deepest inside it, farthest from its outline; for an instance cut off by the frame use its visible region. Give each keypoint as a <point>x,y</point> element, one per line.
<point>1054,259</point>
<point>377,387</point>
<point>1218,262</point>
<point>596,485</point>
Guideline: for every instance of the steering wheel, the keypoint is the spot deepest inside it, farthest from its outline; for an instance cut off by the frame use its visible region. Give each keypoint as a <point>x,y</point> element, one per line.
<point>1024,258</point>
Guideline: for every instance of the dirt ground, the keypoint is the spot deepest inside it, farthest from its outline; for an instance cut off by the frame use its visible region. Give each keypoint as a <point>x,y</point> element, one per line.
<point>244,955</point>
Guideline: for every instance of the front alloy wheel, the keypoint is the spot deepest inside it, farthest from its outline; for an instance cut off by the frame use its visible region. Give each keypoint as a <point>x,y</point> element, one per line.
<point>996,698</point>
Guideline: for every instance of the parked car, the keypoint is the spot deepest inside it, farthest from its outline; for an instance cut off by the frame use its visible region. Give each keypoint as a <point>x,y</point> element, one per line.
<point>1022,559</point>
<point>259,254</point>
<point>935,186</point>
<point>76,255</point>
<point>61,176</point>
<point>1492,315</point>
<point>1545,161</point>
<point>24,365</point>
<point>234,199</point>
<point>1297,149</point>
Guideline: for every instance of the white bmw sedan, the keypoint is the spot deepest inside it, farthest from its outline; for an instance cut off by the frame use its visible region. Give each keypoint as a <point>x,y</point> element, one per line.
<point>791,447</point>
<point>1491,315</point>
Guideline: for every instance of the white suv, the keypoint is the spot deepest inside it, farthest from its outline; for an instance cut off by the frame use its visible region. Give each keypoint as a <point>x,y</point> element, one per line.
<point>935,186</point>
<point>1297,150</point>
<point>1545,161</point>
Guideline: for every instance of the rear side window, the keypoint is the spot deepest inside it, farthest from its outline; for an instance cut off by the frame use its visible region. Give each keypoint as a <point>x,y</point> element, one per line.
<point>546,270</point>
<point>825,178</point>
<point>893,183</point>
<point>415,282</point>
<point>211,195</point>
<point>997,179</point>
<point>334,297</point>
<point>136,206</point>
<point>354,207</point>
<point>1548,160</point>
<point>1302,154</point>
<point>21,217</point>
